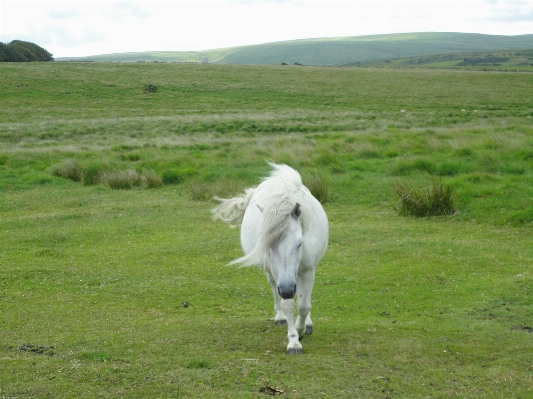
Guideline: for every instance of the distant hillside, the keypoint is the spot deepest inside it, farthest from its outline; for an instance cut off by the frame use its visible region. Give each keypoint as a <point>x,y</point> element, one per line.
<point>20,51</point>
<point>334,51</point>
<point>147,56</point>
<point>508,60</point>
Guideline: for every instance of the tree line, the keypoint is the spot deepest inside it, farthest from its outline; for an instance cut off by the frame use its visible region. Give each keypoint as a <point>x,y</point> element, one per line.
<point>20,51</point>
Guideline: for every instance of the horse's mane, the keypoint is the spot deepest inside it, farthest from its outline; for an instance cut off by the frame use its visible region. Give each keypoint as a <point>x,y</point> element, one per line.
<point>283,190</point>
<point>231,210</point>
<point>285,173</point>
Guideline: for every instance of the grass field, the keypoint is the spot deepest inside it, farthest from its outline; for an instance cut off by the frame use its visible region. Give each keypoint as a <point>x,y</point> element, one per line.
<point>125,293</point>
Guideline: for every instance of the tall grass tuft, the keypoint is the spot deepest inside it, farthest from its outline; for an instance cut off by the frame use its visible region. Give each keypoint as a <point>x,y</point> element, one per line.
<point>204,191</point>
<point>436,200</point>
<point>121,179</point>
<point>319,187</point>
<point>93,171</point>
<point>150,179</point>
<point>69,169</point>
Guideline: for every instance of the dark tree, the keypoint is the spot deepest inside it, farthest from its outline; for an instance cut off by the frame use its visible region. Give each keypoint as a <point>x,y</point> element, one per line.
<point>20,51</point>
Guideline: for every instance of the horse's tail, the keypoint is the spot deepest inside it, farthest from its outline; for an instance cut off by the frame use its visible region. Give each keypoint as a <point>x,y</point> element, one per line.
<point>231,211</point>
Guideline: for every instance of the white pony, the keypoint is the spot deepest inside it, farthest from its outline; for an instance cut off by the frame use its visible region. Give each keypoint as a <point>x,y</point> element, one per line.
<point>284,230</point>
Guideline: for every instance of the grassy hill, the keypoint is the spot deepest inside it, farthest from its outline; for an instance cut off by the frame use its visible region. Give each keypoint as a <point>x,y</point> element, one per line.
<point>333,51</point>
<point>509,60</point>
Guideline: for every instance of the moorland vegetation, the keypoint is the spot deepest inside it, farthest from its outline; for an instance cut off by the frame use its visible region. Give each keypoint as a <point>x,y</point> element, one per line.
<point>113,280</point>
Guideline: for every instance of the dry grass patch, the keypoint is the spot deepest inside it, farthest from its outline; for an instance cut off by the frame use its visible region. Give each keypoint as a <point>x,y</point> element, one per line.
<point>150,179</point>
<point>68,169</point>
<point>120,179</point>
<point>319,187</point>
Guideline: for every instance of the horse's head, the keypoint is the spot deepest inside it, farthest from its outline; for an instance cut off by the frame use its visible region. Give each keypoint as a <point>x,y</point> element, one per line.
<point>286,255</point>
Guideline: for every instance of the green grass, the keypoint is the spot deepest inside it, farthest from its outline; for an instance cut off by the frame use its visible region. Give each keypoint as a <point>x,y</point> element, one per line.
<point>125,293</point>
<point>101,276</point>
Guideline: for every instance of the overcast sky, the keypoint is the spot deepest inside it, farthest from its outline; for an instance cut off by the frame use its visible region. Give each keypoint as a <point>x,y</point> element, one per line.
<point>83,28</point>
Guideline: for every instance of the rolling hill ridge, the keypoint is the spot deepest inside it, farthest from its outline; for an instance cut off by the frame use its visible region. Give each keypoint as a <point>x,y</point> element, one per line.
<point>332,51</point>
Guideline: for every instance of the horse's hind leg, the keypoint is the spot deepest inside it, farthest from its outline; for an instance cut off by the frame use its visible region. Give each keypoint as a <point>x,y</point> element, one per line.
<point>308,325</point>
<point>279,317</point>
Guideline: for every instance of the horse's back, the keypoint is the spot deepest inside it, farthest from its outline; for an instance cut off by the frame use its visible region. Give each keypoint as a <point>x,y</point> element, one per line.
<point>316,230</point>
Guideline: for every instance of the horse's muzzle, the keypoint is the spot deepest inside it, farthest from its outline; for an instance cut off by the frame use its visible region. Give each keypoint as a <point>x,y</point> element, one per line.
<point>287,291</point>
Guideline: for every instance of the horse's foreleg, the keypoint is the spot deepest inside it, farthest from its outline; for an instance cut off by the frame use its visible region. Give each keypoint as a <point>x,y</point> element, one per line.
<point>294,347</point>
<point>279,317</point>
<point>284,309</point>
<point>304,325</point>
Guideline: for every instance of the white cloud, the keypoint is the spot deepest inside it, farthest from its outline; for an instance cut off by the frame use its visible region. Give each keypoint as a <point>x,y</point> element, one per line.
<point>78,28</point>
<point>64,14</point>
<point>511,11</point>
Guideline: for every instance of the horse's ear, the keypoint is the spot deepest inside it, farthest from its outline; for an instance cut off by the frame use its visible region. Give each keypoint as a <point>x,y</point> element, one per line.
<point>296,212</point>
<point>261,209</point>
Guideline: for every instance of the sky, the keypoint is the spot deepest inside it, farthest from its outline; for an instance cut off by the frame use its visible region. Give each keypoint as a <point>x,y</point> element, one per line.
<point>84,28</point>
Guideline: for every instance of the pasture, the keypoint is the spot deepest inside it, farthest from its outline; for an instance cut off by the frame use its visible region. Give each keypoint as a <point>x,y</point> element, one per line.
<point>125,293</point>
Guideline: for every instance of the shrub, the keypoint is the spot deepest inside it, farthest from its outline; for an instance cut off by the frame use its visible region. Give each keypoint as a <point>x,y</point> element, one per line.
<point>464,152</point>
<point>150,88</point>
<point>319,187</point>
<point>366,150</point>
<point>489,163</point>
<point>171,177</point>
<point>436,200</point>
<point>370,154</point>
<point>69,169</point>
<point>202,191</point>
<point>521,218</point>
<point>482,178</point>
<point>448,169</point>
<point>199,363</point>
<point>121,179</point>
<point>326,160</point>
<point>512,169</point>
<point>407,167</point>
<point>130,157</point>
<point>125,147</point>
<point>523,154</point>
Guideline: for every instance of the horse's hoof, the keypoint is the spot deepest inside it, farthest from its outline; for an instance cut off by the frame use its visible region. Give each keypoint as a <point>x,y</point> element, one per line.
<point>308,330</point>
<point>281,322</point>
<point>294,351</point>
